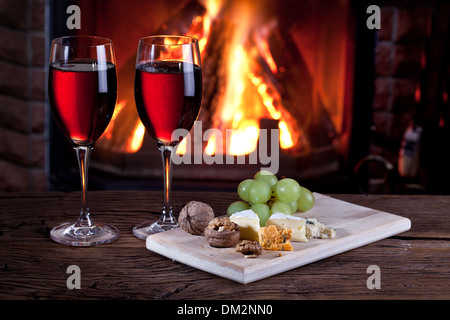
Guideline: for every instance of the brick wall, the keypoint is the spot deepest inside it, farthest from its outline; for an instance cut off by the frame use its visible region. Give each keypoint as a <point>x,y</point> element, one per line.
<point>411,64</point>
<point>400,43</point>
<point>22,95</point>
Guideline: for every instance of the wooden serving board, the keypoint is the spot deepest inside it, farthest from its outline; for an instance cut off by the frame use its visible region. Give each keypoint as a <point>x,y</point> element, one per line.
<point>355,226</point>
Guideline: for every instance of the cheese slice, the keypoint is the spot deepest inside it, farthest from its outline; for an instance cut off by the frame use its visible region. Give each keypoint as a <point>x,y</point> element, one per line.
<point>296,224</point>
<point>272,238</point>
<point>248,222</point>
<point>316,229</point>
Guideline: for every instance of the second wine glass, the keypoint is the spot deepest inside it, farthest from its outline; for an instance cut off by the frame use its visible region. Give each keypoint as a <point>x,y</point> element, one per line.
<point>168,94</point>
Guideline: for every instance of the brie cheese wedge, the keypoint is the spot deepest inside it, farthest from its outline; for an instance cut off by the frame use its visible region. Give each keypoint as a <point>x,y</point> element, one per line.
<point>296,224</point>
<point>248,222</point>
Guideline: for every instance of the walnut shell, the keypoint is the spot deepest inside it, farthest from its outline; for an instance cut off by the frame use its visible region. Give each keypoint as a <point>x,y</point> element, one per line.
<point>195,216</point>
<point>222,233</point>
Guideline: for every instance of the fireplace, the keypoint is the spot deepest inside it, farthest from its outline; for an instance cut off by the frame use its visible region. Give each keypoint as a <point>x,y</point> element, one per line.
<point>400,81</point>
<point>278,78</point>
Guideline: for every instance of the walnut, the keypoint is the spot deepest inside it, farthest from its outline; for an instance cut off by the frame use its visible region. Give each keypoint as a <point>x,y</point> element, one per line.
<point>195,216</point>
<point>250,249</point>
<point>222,233</point>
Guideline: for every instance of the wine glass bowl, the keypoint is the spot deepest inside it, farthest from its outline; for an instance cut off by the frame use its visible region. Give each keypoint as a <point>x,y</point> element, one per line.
<point>82,89</point>
<point>168,94</point>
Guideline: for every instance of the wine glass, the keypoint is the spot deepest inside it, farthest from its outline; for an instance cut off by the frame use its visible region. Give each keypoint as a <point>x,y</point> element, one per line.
<point>82,89</point>
<point>168,94</point>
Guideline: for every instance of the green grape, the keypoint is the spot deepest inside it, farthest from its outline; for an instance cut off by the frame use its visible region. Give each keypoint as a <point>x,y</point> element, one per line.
<point>243,188</point>
<point>287,190</point>
<point>263,212</point>
<point>237,206</point>
<point>267,177</point>
<point>282,207</point>
<point>259,192</point>
<point>294,205</point>
<point>306,200</point>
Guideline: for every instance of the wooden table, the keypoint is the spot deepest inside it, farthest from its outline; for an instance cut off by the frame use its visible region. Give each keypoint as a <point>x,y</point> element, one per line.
<point>413,265</point>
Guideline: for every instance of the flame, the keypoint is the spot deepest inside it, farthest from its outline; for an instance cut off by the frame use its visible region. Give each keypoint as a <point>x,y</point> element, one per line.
<point>182,147</point>
<point>240,110</point>
<point>244,139</point>
<point>211,146</point>
<point>267,55</point>
<point>235,89</point>
<point>108,132</point>
<point>137,138</point>
<point>245,126</point>
<point>285,136</point>
<point>212,10</point>
<point>268,100</point>
<point>247,97</point>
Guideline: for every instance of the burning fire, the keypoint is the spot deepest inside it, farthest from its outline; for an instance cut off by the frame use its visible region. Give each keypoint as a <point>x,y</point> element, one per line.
<point>210,149</point>
<point>108,132</point>
<point>247,97</point>
<point>137,138</point>
<point>245,138</point>
<point>236,113</point>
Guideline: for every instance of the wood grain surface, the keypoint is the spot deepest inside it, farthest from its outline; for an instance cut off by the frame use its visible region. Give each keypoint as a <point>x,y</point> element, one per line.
<point>414,264</point>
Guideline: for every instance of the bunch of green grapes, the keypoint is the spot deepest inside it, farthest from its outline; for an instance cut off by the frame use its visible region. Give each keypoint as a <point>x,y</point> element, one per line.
<point>265,194</point>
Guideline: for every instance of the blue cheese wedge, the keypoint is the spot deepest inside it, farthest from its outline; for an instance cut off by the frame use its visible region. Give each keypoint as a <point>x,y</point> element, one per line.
<point>248,222</point>
<point>296,224</point>
<point>316,229</point>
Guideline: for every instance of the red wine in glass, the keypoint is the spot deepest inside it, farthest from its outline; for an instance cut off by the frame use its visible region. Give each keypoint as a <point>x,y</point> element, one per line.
<point>82,90</point>
<point>168,96</point>
<point>82,97</point>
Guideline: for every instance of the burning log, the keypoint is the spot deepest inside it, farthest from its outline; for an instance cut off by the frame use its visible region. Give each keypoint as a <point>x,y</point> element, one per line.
<point>214,68</point>
<point>281,96</point>
<point>299,98</point>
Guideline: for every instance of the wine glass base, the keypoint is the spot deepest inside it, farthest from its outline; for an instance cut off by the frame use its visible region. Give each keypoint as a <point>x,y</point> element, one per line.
<point>143,230</point>
<point>70,234</point>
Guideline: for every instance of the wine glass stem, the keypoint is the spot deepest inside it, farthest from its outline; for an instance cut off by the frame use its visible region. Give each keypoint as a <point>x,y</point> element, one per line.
<point>83,156</point>
<point>167,214</point>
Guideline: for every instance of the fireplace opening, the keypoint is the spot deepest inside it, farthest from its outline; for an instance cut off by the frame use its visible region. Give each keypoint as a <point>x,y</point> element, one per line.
<point>296,69</point>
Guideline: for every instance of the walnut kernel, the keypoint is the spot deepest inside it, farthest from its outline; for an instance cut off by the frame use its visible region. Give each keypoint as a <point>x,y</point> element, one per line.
<point>222,233</point>
<point>250,249</point>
